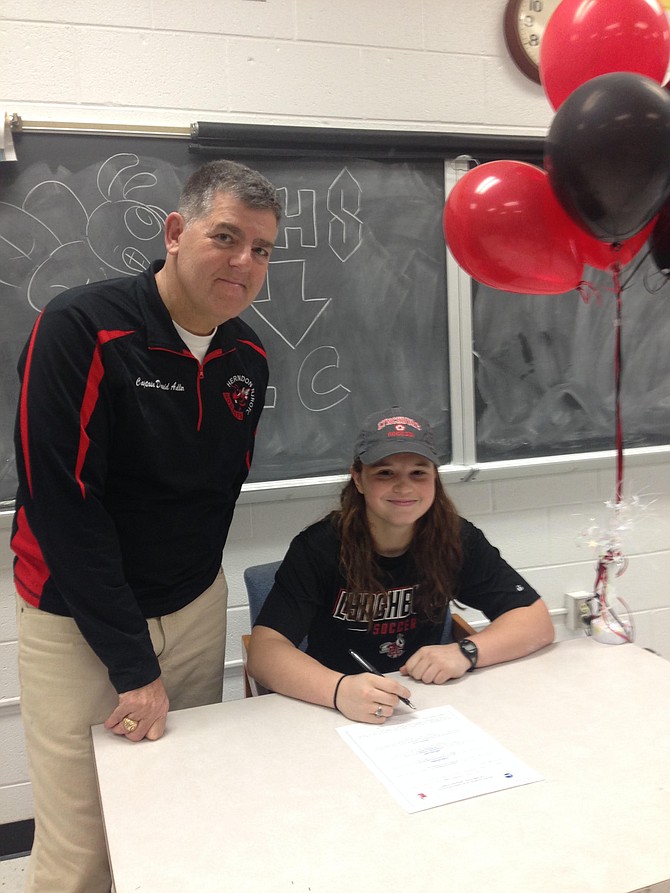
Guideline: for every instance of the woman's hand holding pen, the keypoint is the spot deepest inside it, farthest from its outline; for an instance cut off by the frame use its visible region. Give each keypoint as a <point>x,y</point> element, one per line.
<point>365,697</point>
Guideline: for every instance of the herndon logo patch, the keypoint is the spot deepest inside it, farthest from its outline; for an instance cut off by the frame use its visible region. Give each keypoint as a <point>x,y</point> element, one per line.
<point>240,396</point>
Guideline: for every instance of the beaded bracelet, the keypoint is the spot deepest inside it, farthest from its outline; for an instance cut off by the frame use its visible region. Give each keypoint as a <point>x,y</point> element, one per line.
<point>343,676</point>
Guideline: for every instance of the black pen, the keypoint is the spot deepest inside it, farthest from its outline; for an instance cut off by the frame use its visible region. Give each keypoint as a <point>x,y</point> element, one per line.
<point>366,666</point>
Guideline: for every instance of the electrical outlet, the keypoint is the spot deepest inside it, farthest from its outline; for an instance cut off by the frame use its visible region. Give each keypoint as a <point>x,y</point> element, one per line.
<point>576,604</point>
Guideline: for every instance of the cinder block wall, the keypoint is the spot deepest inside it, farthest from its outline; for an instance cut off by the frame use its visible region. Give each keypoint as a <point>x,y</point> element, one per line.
<point>424,64</point>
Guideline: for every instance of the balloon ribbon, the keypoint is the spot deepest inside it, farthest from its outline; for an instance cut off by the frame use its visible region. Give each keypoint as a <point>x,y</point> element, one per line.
<point>613,555</point>
<point>617,384</point>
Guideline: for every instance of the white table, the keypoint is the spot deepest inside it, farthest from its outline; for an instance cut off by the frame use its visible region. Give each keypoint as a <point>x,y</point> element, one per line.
<point>264,795</point>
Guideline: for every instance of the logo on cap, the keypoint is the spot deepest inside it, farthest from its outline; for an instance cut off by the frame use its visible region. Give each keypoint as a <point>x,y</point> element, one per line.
<point>398,426</point>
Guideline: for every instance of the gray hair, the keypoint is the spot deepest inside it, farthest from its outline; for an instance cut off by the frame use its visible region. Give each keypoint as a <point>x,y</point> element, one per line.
<point>238,180</point>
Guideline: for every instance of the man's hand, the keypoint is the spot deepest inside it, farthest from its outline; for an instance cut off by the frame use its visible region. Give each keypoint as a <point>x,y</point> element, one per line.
<point>147,706</point>
<point>436,663</point>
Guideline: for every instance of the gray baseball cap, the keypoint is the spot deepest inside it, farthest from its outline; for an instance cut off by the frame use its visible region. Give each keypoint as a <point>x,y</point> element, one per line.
<point>394,430</point>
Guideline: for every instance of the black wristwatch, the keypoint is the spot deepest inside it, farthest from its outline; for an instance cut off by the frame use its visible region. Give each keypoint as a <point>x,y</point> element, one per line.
<point>469,649</point>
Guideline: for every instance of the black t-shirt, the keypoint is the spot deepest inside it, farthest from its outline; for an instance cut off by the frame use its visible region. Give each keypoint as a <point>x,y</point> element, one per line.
<point>309,599</point>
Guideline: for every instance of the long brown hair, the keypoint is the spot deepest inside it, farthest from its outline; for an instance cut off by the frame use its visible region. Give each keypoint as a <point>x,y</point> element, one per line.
<point>436,548</point>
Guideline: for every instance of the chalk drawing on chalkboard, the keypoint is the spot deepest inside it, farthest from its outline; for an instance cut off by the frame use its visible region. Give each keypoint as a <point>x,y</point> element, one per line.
<point>371,330</point>
<point>310,370</point>
<point>345,229</point>
<point>302,220</point>
<point>67,219</point>
<point>343,201</point>
<point>288,276</point>
<point>41,229</point>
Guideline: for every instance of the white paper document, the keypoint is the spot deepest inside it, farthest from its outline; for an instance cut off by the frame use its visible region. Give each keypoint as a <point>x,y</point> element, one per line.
<point>435,756</point>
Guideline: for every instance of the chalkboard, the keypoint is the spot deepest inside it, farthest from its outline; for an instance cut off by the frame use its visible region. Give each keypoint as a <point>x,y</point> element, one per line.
<point>354,313</point>
<point>545,366</point>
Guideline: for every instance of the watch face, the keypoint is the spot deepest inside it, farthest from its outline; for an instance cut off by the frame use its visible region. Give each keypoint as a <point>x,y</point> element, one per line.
<point>469,649</point>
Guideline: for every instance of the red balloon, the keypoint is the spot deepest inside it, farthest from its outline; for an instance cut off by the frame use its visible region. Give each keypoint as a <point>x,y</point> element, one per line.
<point>604,255</point>
<point>583,40</point>
<point>506,229</point>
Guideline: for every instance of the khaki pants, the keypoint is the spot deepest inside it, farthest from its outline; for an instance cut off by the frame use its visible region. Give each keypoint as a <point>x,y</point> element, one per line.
<point>65,690</point>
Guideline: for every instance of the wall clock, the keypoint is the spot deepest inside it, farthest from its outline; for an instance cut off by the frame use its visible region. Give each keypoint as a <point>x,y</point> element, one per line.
<point>524,24</point>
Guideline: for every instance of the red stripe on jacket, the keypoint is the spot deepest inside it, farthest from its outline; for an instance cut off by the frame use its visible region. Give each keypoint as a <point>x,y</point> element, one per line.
<point>24,407</point>
<point>30,569</point>
<point>255,347</point>
<point>95,376</point>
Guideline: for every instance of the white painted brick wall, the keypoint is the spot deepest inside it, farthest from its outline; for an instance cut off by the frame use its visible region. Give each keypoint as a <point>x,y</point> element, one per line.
<point>362,62</point>
<point>393,64</point>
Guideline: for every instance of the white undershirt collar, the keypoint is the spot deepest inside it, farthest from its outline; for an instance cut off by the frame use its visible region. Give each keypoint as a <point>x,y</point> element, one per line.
<point>197,344</point>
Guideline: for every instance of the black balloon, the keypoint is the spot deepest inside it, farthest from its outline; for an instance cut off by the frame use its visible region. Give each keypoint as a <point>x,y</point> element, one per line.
<point>659,241</point>
<point>608,154</point>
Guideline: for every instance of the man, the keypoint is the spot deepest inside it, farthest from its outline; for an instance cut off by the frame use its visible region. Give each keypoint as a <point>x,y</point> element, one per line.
<point>139,403</point>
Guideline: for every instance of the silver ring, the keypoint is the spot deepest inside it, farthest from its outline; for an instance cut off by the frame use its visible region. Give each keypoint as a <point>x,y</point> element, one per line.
<point>378,711</point>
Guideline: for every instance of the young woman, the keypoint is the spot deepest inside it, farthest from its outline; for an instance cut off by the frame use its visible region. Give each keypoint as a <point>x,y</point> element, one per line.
<point>376,577</point>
